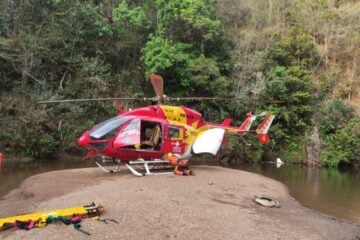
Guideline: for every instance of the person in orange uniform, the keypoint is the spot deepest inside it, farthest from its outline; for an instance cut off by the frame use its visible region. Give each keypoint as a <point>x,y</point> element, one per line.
<point>180,165</point>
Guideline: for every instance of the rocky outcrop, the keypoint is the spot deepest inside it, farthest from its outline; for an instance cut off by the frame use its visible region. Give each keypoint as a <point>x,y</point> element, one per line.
<point>313,149</point>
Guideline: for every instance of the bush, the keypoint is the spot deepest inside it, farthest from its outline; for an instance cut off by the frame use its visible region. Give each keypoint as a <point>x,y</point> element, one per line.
<point>343,147</point>
<point>296,50</point>
<point>335,115</point>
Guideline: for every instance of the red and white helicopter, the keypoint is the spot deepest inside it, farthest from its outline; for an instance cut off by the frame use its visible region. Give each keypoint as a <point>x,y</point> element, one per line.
<point>147,135</point>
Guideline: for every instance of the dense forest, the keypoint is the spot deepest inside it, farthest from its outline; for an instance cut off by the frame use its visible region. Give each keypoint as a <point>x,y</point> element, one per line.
<point>302,52</point>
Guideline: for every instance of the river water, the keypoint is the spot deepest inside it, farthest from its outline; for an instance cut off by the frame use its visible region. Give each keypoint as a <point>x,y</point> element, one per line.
<point>333,192</point>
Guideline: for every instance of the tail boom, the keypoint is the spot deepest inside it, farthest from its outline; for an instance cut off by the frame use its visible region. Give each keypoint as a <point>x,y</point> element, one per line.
<point>244,128</point>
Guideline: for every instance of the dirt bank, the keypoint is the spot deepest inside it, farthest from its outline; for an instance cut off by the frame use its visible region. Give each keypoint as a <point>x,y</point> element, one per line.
<point>216,203</point>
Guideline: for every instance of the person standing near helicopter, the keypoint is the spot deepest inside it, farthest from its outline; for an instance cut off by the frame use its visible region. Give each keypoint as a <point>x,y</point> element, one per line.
<point>180,165</point>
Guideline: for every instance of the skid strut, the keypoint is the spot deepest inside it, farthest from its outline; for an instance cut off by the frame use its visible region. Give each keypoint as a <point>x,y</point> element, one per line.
<point>148,166</point>
<point>107,160</point>
<point>107,170</point>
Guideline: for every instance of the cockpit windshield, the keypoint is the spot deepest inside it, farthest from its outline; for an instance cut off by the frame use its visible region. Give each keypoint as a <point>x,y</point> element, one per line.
<point>108,128</point>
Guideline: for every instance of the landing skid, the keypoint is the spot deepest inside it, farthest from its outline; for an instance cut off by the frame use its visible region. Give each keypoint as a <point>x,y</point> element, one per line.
<point>148,166</point>
<point>107,170</point>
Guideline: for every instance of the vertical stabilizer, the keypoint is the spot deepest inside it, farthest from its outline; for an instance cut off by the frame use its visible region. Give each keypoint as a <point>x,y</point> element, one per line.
<point>263,129</point>
<point>245,126</point>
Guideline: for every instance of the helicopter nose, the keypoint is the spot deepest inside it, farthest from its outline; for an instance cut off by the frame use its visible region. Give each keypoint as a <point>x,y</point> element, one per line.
<point>84,139</point>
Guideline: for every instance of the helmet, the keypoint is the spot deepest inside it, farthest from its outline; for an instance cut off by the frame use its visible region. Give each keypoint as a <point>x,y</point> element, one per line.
<point>184,163</point>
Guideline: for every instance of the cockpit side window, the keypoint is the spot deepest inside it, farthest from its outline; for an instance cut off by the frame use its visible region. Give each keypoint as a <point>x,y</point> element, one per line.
<point>107,129</point>
<point>133,127</point>
<point>173,132</point>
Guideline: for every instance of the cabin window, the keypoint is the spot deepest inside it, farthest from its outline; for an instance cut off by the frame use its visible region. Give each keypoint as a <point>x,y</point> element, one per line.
<point>174,132</point>
<point>132,128</point>
<point>107,129</point>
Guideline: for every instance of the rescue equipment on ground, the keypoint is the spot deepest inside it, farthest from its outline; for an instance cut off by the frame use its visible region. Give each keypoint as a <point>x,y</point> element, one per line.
<point>41,219</point>
<point>105,220</point>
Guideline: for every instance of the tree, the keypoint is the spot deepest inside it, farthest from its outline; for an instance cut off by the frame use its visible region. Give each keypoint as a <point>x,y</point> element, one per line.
<point>343,146</point>
<point>293,86</point>
<point>187,33</point>
<point>159,54</point>
<point>334,116</point>
<point>296,50</point>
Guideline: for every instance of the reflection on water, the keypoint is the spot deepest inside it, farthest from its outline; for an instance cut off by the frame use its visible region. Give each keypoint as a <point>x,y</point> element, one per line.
<point>330,191</point>
<point>333,192</point>
<point>13,174</point>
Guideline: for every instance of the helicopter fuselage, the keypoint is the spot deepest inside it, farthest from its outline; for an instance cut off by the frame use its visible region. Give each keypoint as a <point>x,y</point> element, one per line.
<point>126,136</point>
<point>154,131</point>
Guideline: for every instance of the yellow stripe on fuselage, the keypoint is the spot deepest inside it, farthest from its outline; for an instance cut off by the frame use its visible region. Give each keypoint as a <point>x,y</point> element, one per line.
<point>176,114</point>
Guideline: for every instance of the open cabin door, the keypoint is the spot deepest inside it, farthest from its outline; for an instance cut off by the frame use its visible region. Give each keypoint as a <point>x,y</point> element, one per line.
<point>151,135</point>
<point>129,137</point>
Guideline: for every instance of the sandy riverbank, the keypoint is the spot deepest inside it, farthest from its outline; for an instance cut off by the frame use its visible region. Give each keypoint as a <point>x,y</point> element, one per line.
<point>216,203</point>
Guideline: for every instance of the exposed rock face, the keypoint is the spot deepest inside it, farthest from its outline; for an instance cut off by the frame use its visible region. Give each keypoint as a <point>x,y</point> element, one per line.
<point>313,149</point>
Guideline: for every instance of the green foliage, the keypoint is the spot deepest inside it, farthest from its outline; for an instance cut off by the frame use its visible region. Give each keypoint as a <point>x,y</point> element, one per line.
<point>335,115</point>
<point>44,146</point>
<point>24,130</point>
<point>236,149</point>
<point>200,15</point>
<point>206,77</point>
<point>92,76</point>
<point>181,51</point>
<point>160,54</point>
<point>3,25</point>
<point>293,86</point>
<point>62,50</point>
<point>72,49</point>
<point>294,150</point>
<point>288,79</point>
<point>340,132</point>
<point>326,85</point>
<point>188,20</point>
<point>134,17</point>
<point>296,50</point>
<point>343,146</point>
<point>189,48</point>
<point>75,49</point>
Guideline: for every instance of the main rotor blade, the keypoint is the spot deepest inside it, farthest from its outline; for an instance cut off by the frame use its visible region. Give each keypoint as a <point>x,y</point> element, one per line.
<point>156,99</point>
<point>220,99</point>
<point>94,99</point>
<point>158,84</point>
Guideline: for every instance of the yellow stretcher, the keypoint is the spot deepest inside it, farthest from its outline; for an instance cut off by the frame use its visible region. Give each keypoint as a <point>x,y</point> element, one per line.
<point>40,218</point>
